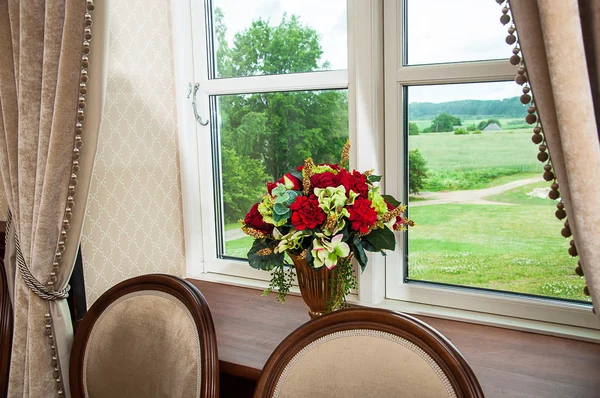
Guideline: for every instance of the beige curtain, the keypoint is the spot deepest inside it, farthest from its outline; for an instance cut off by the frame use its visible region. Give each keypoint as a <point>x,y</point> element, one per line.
<point>44,78</point>
<point>560,42</point>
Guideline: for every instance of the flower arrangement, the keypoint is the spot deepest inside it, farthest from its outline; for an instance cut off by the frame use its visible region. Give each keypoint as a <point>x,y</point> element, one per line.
<point>324,214</point>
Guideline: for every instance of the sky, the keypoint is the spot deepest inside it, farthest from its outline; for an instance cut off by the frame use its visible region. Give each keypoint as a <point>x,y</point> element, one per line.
<point>438,31</point>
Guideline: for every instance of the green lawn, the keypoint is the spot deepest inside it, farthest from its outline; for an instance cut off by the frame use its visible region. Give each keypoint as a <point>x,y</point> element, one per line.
<point>512,248</point>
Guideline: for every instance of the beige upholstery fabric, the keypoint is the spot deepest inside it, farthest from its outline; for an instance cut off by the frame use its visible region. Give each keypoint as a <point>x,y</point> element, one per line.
<point>41,46</point>
<point>560,44</point>
<point>144,345</point>
<point>362,363</point>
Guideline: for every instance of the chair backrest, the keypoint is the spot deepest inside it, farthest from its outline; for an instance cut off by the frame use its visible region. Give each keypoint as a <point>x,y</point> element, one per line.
<point>149,336</point>
<point>366,353</point>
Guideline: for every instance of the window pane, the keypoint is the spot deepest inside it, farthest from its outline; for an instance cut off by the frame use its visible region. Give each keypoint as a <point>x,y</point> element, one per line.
<point>270,37</point>
<point>264,136</point>
<point>454,31</point>
<point>477,195</point>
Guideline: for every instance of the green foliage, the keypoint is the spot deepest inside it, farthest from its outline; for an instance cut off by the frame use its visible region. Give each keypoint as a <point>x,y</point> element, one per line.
<point>417,172</point>
<point>508,107</point>
<point>282,279</point>
<point>443,123</point>
<point>471,127</point>
<point>272,133</point>
<point>342,281</point>
<point>461,131</point>
<point>413,129</point>
<point>263,262</point>
<point>382,238</point>
<point>477,132</point>
<point>461,179</point>
<point>484,123</point>
<point>243,183</point>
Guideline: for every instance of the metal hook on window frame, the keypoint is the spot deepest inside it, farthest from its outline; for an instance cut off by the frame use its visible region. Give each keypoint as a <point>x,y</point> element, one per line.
<point>198,118</point>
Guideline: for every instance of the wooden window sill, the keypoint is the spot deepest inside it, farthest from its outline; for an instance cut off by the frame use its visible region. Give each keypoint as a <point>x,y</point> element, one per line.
<point>508,363</point>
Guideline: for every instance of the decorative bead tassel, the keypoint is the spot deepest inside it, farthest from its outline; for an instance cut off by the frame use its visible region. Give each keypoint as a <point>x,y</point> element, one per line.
<point>70,202</point>
<point>538,137</point>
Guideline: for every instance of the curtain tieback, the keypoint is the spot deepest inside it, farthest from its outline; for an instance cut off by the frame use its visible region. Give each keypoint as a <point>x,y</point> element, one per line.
<point>45,292</point>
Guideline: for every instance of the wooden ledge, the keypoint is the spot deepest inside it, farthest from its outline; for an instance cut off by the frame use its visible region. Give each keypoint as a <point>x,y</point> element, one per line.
<point>508,363</point>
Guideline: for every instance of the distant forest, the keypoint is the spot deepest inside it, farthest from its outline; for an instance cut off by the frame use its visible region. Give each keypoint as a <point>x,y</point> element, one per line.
<point>509,107</point>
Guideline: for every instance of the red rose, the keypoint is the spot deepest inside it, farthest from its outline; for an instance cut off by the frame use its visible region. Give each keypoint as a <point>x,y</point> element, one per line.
<point>297,183</point>
<point>254,220</point>
<point>306,213</point>
<point>324,180</point>
<point>362,215</point>
<point>359,184</point>
<point>399,220</point>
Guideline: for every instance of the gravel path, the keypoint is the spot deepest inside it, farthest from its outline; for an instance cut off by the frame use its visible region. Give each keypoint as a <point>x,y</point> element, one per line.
<point>472,196</point>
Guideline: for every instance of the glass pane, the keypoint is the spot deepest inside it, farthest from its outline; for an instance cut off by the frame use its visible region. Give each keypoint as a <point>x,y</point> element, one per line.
<point>454,31</point>
<point>272,37</point>
<point>264,136</point>
<point>477,194</point>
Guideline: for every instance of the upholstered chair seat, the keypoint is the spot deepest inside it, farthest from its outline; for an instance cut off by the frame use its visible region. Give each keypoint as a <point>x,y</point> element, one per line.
<point>367,353</point>
<point>150,336</point>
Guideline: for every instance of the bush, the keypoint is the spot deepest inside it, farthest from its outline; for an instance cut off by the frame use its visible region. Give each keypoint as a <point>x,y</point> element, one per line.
<point>477,132</point>
<point>472,128</point>
<point>417,171</point>
<point>461,131</point>
<point>484,123</point>
<point>442,123</point>
<point>413,129</point>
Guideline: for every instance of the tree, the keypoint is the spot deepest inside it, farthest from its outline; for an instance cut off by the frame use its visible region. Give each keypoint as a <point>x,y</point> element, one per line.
<point>443,123</point>
<point>244,184</point>
<point>413,129</point>
<point>275,131</point>
<point>484,123</point>
<point>417,171</point>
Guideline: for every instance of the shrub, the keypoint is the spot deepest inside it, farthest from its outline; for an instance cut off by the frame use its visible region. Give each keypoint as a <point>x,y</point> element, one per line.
<point>413,129</point>
<point>461,131</point>
<point>477,132</point>
<point>472,128</point>
<point>417,171</point>
<point>484,123</point>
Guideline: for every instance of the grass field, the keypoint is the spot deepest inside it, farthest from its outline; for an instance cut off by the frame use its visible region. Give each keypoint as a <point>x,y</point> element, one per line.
<point>476,161</point>
<point>514,247</point>
<point>506,123</point>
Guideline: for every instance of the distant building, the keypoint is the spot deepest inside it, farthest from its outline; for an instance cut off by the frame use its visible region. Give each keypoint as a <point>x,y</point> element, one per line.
<point>492,127</point>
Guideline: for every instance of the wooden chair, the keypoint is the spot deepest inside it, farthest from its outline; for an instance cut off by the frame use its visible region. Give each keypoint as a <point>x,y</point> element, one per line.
<point>366,353</point>
<point>150,336</point>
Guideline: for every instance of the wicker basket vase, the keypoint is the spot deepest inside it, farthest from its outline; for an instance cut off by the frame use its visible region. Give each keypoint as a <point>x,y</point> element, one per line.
<point>315,285</point>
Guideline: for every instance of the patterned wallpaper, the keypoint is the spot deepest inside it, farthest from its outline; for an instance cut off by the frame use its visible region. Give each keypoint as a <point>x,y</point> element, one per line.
<point>133,222</point>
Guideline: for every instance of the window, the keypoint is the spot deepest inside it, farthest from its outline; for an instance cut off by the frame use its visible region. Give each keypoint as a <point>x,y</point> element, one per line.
<point>427,99</point>
<point>273,77</point>
<point>467,168</point>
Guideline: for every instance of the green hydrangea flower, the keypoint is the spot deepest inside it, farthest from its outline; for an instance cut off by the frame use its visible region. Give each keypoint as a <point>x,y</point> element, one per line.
<point>328,253</point>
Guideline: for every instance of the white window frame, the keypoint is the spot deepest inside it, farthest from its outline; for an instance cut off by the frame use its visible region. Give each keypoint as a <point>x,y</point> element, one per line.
<point>397,77</point>
<point>370,79</point>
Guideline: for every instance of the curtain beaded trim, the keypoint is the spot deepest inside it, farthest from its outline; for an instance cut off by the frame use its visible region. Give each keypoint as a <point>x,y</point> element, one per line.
<point>538,137</point>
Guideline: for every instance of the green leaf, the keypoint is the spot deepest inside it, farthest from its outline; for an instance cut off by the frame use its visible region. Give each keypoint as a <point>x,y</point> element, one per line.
<point>359,253</point>
<point>280,217</point>
<point>297,174</point>
<point>382,239</point>
<point>374,178</point>
<point>368,246</point>
<point>280,208</point>
<point>391,200</point>
<point>265,263</point>
<point>292,195</point>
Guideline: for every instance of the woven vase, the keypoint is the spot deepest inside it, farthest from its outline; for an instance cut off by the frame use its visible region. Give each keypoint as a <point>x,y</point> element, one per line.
<point>315,285</point>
